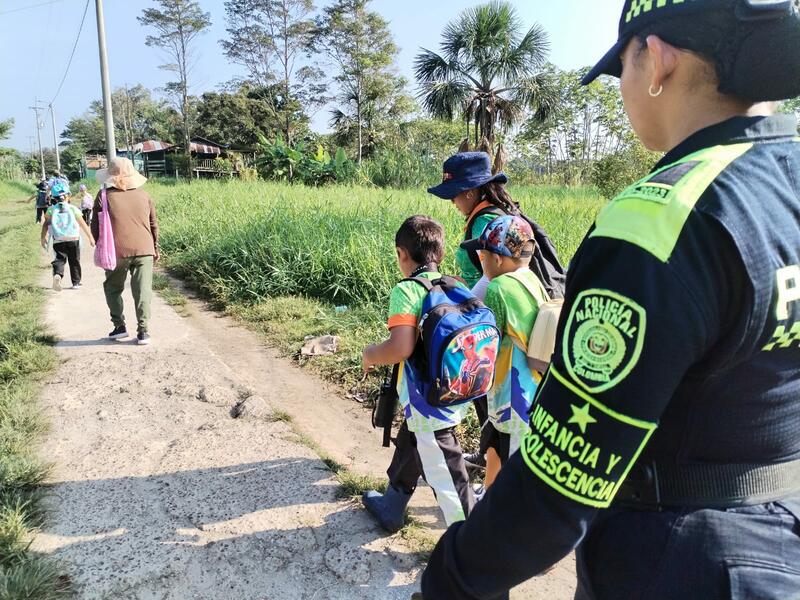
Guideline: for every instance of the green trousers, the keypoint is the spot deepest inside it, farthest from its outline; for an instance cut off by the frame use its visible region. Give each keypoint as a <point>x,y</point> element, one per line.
<point>141,270</point>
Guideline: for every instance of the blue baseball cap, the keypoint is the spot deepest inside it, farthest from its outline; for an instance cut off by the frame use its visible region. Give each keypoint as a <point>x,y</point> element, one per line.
<point>507,236</point>
<point>465,171</point>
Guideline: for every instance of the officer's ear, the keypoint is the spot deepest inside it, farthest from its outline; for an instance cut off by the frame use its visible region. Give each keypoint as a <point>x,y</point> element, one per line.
<point>663,59</point>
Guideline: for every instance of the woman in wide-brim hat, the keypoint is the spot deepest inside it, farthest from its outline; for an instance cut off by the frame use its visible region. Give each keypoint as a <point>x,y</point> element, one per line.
<point>121,174</point>
<point>135,227</point>
<point>480,196</point>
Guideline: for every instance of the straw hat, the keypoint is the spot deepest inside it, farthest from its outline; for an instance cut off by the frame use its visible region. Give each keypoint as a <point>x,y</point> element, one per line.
<point>121,174</point>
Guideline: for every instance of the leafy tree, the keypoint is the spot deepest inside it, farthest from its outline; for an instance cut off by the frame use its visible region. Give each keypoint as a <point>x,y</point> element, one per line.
<point>359,46</point>
<point>12,164</point>
<point>177,24</point>
<point>428,137</point>
<point>137,117</point>
<point>87,130</point>
<point>488,72</point>
<point>71,158</point>
<point>585,124</point>
<point>267,37</point>
<point>385,106</point>
<point>5,128</point>
<point>243,117</point>
<point>307,163</point>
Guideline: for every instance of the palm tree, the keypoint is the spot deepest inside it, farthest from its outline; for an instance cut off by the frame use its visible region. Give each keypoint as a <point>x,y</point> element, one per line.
<point>488,72</point>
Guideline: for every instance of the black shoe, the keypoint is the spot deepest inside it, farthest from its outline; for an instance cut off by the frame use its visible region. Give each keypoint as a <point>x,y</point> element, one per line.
<point>118,333</point>
<point>142,338</point>
<point>476,460</point>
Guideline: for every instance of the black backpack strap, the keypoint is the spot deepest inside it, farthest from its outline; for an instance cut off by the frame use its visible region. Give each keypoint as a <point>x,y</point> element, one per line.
<point>544,262</point>
<point>473,254</point>
<point>387,425</point>
<point>423,281</point>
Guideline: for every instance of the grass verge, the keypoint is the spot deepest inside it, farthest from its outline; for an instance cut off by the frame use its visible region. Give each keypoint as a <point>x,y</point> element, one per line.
<point>171,295</point>
<point>26,356</point>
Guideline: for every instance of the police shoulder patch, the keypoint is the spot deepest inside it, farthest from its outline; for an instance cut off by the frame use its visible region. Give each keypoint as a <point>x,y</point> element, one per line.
<point>603,339</point>
<point>652,212</point>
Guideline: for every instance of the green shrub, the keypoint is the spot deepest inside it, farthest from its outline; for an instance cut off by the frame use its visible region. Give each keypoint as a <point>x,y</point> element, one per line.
<point>615,172</point>
<point>277,161</point>
<point>402,168</point>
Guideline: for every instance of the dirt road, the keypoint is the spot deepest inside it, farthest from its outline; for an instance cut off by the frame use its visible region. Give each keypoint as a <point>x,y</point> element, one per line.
<point>157,493</point>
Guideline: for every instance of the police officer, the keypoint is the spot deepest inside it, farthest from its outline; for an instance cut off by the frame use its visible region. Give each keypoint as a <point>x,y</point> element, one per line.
<point>665,441</point>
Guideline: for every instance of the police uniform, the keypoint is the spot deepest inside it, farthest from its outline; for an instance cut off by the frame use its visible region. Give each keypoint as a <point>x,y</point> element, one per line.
<point>664,442</point>
<point>679,361</point>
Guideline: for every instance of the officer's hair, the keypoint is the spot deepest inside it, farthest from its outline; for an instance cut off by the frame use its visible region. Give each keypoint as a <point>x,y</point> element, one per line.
<point>423,239</point>
<point>707,35</point>
<point>752,61</point>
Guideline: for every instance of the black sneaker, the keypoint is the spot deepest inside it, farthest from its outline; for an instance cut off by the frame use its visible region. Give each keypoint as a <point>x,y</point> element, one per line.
<point>118,333</point>
<point>142,338</point>
<point>476,460</point>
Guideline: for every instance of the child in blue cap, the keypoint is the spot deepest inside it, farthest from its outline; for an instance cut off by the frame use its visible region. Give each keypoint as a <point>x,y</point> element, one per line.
<point>514,294</point>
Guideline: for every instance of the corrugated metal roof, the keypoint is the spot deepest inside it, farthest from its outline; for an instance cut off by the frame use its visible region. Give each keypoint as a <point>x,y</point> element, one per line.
<point>204,148</point>
<point>151,146</point>
<point>157,146</point>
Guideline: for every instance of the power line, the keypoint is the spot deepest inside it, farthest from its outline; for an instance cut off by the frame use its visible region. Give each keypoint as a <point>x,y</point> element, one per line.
<point>13,10</point>
<point>72,54</point>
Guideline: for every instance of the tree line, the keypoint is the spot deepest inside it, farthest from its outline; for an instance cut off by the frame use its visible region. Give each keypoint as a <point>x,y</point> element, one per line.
<point>488,85</point>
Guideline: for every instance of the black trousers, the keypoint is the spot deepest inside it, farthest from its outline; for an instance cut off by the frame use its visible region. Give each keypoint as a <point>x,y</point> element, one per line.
<point>68,252</point>
<point>40,210</point>
<point>482,410</point>
<point>437,457</point>
<point>87,215</point>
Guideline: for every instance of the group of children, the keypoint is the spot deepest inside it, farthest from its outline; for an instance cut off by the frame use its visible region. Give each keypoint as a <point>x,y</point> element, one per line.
<point>62,224</point>
<point>494,261</point>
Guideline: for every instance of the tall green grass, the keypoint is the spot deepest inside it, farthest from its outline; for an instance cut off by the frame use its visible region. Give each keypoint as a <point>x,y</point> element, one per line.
<point>26,356</point>
<point>251,241</point>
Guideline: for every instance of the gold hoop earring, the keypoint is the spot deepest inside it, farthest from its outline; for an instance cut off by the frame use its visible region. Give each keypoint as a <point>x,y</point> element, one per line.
<point>657,93</point>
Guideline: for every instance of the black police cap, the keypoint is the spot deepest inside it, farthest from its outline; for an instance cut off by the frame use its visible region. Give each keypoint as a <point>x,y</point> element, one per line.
<point>639,14</point>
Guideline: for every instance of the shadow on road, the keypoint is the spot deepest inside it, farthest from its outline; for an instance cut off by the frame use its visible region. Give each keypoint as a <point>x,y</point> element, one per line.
<point>270,529</point>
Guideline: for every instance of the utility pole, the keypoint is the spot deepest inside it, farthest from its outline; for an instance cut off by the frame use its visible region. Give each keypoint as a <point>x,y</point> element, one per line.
<point>111,143</point>
<point>55,137</point>
<point>39,125</point>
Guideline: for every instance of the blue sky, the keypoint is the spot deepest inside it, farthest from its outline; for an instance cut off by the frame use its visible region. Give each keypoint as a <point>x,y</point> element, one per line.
<point>580,31</point>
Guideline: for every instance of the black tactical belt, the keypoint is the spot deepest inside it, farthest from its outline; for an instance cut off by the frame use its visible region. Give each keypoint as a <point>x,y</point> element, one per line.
<point>659,485</point>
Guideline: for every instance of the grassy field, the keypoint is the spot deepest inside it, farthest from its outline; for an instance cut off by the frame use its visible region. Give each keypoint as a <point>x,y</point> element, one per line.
<point>250,241</point>
<point>282,257</point>
<point>26,356</point>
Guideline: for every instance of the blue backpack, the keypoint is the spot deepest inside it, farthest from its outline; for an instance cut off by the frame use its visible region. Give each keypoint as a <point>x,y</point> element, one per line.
<point>63,224</point>
<point>454,359</point>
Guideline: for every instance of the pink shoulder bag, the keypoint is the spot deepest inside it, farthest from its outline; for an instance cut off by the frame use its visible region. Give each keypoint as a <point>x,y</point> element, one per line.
<point>105,256</point>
